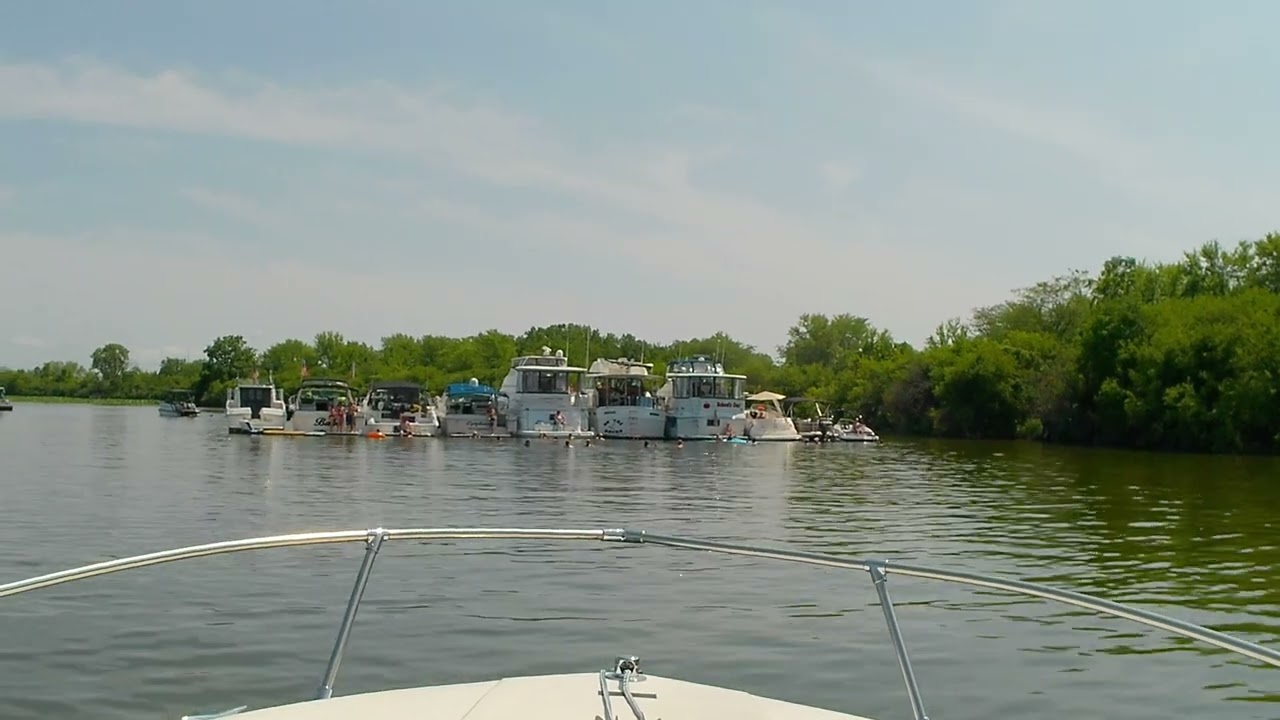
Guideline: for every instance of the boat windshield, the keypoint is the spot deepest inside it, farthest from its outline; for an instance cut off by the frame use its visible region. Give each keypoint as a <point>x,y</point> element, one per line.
<point>718,388</point>
<point>391,402</point>
<point>321,398</point>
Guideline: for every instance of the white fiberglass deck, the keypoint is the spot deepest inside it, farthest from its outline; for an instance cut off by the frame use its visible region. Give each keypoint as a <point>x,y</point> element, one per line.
<point>548,697</point>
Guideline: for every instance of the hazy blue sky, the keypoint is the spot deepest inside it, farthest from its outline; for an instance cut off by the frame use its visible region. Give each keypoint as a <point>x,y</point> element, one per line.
<point>174,170</point>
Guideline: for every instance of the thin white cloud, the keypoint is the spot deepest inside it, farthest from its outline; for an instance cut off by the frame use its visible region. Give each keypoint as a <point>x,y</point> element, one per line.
<point>837,176</point>
<point>490,144</point>
<point>672,237</point>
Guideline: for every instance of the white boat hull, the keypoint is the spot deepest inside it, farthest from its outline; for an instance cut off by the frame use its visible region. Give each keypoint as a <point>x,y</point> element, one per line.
<point>470,425</point>
<point>312,420</point>
<point>696,427</point>
<point>168,410</point>
<point>241,420</point>
<point>629,422</point>
<point>859,437</point>
<point>549,697</point>
<point>775,429</point>
<point>534,422</point>
<point>424,426</point>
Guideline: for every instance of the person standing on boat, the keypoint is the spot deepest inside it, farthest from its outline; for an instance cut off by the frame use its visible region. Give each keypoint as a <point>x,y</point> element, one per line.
<point>559,420</point>
<point>351,417</point>
<point>492,412</point>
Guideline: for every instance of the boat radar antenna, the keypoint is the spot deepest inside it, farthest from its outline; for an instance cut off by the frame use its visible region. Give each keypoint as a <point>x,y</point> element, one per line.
<point>473,381</point>
<point>546,350</point>
<point>559,353</point>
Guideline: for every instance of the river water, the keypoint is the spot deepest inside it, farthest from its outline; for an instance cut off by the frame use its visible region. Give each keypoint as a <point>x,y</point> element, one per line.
<point>1191,536</point>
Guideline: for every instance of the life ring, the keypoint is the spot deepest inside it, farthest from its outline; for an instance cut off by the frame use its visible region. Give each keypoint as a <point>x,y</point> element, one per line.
<point>760,408</point>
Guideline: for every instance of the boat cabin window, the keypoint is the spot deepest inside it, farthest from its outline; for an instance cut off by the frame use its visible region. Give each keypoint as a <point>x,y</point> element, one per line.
<point>258,397</point>
<point>621,392</point>
<point>710,387</point>
<point>472,404</point>
<point>544,382</point>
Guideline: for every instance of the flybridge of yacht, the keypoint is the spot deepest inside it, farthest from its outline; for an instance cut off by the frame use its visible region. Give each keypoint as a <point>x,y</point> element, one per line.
<point>545,362</point>
<point>699,365</point>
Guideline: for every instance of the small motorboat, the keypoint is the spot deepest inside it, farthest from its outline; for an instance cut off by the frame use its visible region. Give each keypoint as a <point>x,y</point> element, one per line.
<point>5,405</point>
<point>856,431</point>
<point>179,403</point>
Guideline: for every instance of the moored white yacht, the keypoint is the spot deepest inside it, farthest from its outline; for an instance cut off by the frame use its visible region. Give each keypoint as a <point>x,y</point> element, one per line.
<point>310,408</point>
<point>764,419</point>
<point>254,407</point>
<point>5,405</point>
<point>544,401</point>
<point>621,689</point>
<point>700,399</point>
<point>472,409</point>
<point>399,408</point>
<point>620,400</point>
<point>179,403</point>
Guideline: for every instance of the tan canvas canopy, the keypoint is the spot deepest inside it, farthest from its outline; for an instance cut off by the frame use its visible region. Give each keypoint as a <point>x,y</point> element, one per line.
<point>765,396</point>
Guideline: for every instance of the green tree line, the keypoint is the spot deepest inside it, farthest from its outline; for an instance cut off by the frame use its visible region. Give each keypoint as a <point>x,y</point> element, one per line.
<point>1180,356</point>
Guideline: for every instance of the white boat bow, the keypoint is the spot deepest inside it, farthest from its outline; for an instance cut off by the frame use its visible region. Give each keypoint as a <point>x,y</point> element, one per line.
<point>621,692</point>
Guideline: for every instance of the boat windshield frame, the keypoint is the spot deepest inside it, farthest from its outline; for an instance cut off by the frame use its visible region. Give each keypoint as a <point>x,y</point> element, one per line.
<point>879,571</point>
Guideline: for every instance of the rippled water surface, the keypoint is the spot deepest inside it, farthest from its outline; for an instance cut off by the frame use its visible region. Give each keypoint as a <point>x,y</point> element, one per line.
<point>1191,536</point>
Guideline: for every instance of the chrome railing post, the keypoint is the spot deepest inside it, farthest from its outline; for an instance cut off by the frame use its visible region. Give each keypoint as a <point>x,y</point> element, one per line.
<point>881,581</point>
<point>372,545</point>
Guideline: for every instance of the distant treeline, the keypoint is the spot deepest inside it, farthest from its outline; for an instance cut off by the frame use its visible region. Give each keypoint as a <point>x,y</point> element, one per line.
<point>1180,356</point>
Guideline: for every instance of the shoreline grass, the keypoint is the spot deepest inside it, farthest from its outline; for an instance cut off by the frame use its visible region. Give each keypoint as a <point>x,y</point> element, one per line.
<point>71,400</point>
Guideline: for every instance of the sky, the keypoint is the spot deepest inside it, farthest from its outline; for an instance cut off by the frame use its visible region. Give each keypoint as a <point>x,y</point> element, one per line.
<point>175,170</point>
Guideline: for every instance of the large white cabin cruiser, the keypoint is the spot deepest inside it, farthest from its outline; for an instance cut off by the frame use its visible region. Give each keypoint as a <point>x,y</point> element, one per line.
<point>472,409</point>
<point>700,399</point>
<point>544,399</point>
<point>309,408</point>
<point>621,402</point>
<point>254,407</point>
<point>620,689</point>
<point>764,419</point>
<point>179,403</point>
<point>395,406</point>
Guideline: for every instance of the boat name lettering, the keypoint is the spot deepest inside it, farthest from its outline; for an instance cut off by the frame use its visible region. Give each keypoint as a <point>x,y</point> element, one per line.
<point>726,404</point>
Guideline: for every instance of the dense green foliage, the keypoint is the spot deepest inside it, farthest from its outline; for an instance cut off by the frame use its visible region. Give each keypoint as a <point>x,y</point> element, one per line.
<point>1181,356</point>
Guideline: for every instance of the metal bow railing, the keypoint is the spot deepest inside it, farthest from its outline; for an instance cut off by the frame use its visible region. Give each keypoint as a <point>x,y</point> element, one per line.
<point>879,571</point>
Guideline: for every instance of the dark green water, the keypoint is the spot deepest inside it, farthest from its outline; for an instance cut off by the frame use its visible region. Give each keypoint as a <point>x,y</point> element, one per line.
<point>1191,536</point>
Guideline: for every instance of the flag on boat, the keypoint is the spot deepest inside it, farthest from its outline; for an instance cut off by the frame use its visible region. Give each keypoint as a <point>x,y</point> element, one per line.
<point>254,377</point>
<point>303,372</point>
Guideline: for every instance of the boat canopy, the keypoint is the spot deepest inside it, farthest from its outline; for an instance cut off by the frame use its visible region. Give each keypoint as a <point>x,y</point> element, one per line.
<point>766,396</point>
<point>468,388</point>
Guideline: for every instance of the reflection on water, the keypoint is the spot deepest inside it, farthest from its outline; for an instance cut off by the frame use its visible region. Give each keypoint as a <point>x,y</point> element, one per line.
<point>1185,535</point>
